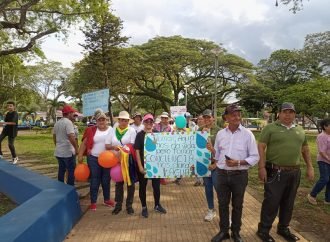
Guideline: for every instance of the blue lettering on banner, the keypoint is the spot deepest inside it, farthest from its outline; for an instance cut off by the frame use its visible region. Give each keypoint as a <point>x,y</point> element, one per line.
<point>177,154</point>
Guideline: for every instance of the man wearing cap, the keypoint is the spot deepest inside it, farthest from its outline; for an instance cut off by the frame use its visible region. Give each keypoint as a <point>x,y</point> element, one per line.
<point>280,146</point>
<point>235,152</point>
<point>137,125</point>
<point>164,125</point>
<point>210,182</point>
<point>66,146</point>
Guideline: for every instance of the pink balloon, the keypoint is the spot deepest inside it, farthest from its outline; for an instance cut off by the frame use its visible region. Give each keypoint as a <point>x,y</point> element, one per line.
<point>116,174</point>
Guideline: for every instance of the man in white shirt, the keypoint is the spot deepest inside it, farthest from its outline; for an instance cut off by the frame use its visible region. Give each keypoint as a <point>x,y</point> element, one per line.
<point>235,151</point>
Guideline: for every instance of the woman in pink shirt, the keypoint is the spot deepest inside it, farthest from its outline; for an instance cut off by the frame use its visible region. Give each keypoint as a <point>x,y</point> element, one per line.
<point>323,160</point>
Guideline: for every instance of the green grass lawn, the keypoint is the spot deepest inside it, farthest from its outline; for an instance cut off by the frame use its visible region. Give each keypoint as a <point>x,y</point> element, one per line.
<point>5,204</point>
<point>301,204</point>
<point>39,146</point>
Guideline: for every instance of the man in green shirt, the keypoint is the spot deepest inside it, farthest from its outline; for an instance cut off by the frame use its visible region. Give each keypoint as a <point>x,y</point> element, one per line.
<point>280,146</point>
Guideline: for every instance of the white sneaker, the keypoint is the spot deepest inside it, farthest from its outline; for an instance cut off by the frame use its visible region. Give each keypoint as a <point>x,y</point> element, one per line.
<point>311,200</point>
<point>15,160</point>
<point>1,156</point>
<point>211,214</point>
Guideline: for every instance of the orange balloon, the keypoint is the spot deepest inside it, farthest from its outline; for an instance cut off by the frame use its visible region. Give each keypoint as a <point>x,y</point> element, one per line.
<point>108,159</point>
<point>81,173</point>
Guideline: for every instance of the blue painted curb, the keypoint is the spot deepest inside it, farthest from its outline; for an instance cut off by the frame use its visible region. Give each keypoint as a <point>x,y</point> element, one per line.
<point>47,209</point>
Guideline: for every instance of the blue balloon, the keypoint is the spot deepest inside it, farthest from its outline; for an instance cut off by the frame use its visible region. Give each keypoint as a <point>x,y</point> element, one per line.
<point>180,122</point>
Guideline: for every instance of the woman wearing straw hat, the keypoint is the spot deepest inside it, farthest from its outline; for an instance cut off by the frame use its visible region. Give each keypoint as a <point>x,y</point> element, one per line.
<point>123,136</point>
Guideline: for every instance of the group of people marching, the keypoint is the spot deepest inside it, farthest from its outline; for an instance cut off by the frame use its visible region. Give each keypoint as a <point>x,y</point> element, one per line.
<point>233,151</point>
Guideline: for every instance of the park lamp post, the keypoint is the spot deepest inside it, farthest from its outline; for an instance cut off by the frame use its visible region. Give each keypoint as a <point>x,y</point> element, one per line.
<point>216,51</point>
<point>186,95</point>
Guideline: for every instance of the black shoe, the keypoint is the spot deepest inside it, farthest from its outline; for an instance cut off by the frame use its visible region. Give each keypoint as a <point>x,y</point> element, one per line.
<point>286,234</point>
<point>145,212</point>
<point>265,237</point>
<point>236,237</point>
<point>130,210</point>
<point>116,211</point>
<point>160,209</point>
<point>220,237</point>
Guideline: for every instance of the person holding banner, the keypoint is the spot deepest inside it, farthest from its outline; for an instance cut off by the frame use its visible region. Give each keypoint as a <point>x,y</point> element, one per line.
<point>210,182</point>
<point>93,144</point>
<point>123,136</point>
<point>235,152</point>
<point>148,121</point>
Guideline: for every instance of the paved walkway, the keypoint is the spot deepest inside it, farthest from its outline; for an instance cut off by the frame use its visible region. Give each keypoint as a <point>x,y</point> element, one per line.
<point>186,206</point>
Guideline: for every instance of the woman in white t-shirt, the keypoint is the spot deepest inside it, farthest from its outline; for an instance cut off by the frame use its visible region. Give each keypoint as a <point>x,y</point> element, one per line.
<point>93,144</point>
<point>122,135</point>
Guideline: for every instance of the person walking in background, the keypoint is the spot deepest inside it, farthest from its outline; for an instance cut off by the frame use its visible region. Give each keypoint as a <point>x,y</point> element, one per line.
<point>235,152</point>
<point>122,136</point>
<point>210,182</point>
<point>148,121</point>
<point>10,130</point>
<point>281,144</point>
<point>137,124</point>
<point>93,144</point>
<point>66,146</point>
<point>323,160</point>
<point>190,124</point>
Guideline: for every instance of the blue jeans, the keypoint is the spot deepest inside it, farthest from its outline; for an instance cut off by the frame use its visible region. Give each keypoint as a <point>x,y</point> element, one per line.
<point>210,183</point>
<point>66,164</point>
<point>99,175</point>
<point>323,181</point>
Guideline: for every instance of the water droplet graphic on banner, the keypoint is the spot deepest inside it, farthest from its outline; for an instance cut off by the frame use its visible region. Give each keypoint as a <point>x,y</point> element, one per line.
<point>200,141</point>
<point>207,155</point>
<point>150,146</point>
<point>199,153</point>
<point>201,169</point>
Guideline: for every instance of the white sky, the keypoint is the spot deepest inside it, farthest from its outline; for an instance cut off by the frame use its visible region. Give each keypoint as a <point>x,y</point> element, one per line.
<point>251,29</point>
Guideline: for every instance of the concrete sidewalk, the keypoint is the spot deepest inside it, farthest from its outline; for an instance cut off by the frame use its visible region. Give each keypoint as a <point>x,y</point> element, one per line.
<point>186,207</point>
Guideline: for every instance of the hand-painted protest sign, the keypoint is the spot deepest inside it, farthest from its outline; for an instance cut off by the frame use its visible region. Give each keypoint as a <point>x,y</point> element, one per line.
<point>94,100</point>
<point>177,110</point>
<point>176,154</point>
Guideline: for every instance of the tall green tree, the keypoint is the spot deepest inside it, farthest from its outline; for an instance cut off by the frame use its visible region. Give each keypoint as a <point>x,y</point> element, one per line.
<point>311,99</point>
<point>14,84</point>
<point>164,65</point>
<point>317,48</point>
<point>24,22</point>
<point>283,69</point>
<point>102,40</point>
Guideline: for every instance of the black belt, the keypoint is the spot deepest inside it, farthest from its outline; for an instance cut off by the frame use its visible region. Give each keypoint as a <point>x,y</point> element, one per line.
<point>286,168</point>
<point>231,172</point>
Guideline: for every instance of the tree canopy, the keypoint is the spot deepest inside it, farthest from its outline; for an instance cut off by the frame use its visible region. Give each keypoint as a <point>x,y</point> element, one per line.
<point>24,22</point>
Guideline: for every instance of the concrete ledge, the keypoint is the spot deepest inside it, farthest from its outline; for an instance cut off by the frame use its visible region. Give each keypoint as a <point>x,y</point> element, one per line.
<point>47,209</point>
